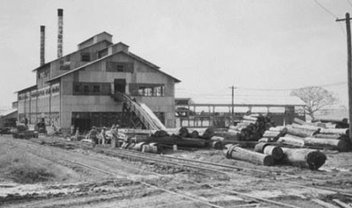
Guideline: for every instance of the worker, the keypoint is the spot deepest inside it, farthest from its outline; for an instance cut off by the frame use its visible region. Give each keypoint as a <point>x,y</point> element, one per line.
<point>102,136</point>
<point>26,122</point>
<point>41,126</point>
<point>93,135</point>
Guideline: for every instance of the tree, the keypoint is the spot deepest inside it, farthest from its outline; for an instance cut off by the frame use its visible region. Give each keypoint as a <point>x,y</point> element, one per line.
<point>315,98</point>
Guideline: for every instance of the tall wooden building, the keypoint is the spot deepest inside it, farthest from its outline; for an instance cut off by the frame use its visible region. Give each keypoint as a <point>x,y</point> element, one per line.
<point>77,89</point>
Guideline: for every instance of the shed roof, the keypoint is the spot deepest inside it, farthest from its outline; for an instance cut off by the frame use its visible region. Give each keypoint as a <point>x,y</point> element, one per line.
<point>33,87</point>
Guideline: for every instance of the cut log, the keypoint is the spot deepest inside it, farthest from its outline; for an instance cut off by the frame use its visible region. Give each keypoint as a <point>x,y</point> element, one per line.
<point>260,147</point>
<point>184,142</point>
<point>209,132</point>
<point>275,151</point>
<point>217,145</point>
<point>307,158</point>
<point>235,152</point>
<point>300,132</point>
<point>330,136</point>
<point>183,132</point>
<point>266,140</point>
<point>291,140</point>
<point>250,118</point>
<point>217,138</point>
<point>278,128</point>
<point>335,144</point>
<point>334,131</point>
<point>271,134</point>
<point>306,127</point>
<point>268,149</point>
<point>194,134</point>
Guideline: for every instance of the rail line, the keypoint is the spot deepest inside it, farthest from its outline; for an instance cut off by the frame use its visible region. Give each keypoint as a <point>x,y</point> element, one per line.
<point>210,167</point>
<point>187,196</point>
<point>226,169</point>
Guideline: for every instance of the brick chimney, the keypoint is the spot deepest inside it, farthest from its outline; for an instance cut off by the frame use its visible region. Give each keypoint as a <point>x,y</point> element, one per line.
<point>42,45</point>
<point>60,14</point>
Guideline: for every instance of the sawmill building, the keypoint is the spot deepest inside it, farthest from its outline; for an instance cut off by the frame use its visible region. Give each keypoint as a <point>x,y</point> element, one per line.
<point>78,88</point>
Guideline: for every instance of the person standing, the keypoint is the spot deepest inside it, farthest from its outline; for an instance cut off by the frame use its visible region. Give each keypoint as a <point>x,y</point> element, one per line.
<point>93,135</point>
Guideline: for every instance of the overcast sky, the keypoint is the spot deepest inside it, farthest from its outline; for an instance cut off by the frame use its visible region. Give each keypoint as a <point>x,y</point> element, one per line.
<point>209,45</point>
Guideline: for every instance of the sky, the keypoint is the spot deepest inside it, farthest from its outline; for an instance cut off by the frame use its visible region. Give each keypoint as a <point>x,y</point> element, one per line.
<point>265,48</point>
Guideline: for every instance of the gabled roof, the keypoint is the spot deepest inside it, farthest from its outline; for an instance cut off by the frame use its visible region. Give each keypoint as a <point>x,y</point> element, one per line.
<point>47,63</point>
<point>104,32</point>
<point>105,57</point>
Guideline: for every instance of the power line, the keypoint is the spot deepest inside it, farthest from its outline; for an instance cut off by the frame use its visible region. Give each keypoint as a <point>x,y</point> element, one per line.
<point>349,2</point>
<point>325,9</point>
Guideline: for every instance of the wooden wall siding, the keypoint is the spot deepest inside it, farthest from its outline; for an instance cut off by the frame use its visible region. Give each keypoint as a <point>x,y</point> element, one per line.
<point>74,60</point>
<point>113,66</point>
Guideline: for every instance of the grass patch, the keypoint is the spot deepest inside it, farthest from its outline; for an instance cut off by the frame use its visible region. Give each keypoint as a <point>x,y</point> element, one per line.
<point>27,174</point>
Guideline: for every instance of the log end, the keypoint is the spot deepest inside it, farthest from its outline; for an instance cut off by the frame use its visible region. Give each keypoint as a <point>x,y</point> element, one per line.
<point>268,160</point>
<point>217,145</point>
<point>277,153</point>
<point>315,160</point>
<point>343,146</point>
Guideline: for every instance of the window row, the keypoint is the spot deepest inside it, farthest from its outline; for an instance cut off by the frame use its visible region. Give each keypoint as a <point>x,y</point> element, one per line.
<point>39,93</point>
<point>88,88</point>
<point>119,67</point>
<point>147,90</point>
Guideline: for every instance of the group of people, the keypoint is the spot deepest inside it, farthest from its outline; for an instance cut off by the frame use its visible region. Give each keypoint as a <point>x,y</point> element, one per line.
<point>103,136</point>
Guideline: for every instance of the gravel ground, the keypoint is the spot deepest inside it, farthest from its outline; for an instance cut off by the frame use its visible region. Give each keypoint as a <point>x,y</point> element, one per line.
<point>54,172</point>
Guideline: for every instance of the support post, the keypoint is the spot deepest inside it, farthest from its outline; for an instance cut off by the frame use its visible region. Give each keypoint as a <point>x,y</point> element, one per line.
<point>349,69</point>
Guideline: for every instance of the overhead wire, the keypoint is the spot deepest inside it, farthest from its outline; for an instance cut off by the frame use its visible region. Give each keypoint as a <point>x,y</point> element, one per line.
<point>349,2</point>
<point>325,9</point>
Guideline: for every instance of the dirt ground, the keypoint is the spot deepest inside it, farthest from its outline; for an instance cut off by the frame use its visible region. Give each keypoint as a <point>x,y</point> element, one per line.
<point>53,172</point>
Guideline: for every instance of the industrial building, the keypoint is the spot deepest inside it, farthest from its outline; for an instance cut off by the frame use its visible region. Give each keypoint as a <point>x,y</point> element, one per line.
<point>80,89</point>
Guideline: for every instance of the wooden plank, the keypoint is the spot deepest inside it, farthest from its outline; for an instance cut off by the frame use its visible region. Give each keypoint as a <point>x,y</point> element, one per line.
<point>324,204</point>
<point>340,203</point>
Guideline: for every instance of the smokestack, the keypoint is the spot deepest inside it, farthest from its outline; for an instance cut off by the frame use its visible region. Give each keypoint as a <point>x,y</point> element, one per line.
<point>42,45</point>
<point>60,14</point>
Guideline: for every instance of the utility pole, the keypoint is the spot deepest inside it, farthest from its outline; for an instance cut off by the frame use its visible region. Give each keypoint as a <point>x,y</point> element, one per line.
<point>349,70</point>
<point>232,104</point>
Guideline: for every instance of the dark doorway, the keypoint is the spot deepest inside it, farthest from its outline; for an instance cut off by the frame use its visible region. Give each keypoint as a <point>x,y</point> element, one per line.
<point>120,85</point>
<point>84,124</point>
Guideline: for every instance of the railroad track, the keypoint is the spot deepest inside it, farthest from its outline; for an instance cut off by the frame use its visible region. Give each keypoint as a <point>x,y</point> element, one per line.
<point>189,196</point>
<point>210,167</point>
<point>213,167</point>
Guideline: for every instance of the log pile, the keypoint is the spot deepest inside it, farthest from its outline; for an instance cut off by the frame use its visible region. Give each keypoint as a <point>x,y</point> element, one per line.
<point>252,127</point>
<point>247,132</point>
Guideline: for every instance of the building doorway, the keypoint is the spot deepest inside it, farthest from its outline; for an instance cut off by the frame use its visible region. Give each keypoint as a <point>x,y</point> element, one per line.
<point>120,85</point>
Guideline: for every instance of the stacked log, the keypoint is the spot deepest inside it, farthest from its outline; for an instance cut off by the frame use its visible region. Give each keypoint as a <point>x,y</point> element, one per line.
<point>251,128</point>
<point>312,136</point>
<point>235,152</point>
<point>268,149</point>
<point>291,141</point>
<point>301,132</point>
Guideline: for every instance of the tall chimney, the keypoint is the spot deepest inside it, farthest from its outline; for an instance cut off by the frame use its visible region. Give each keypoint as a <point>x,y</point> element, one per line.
<point>42,45</point>
<point>60,13</point>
